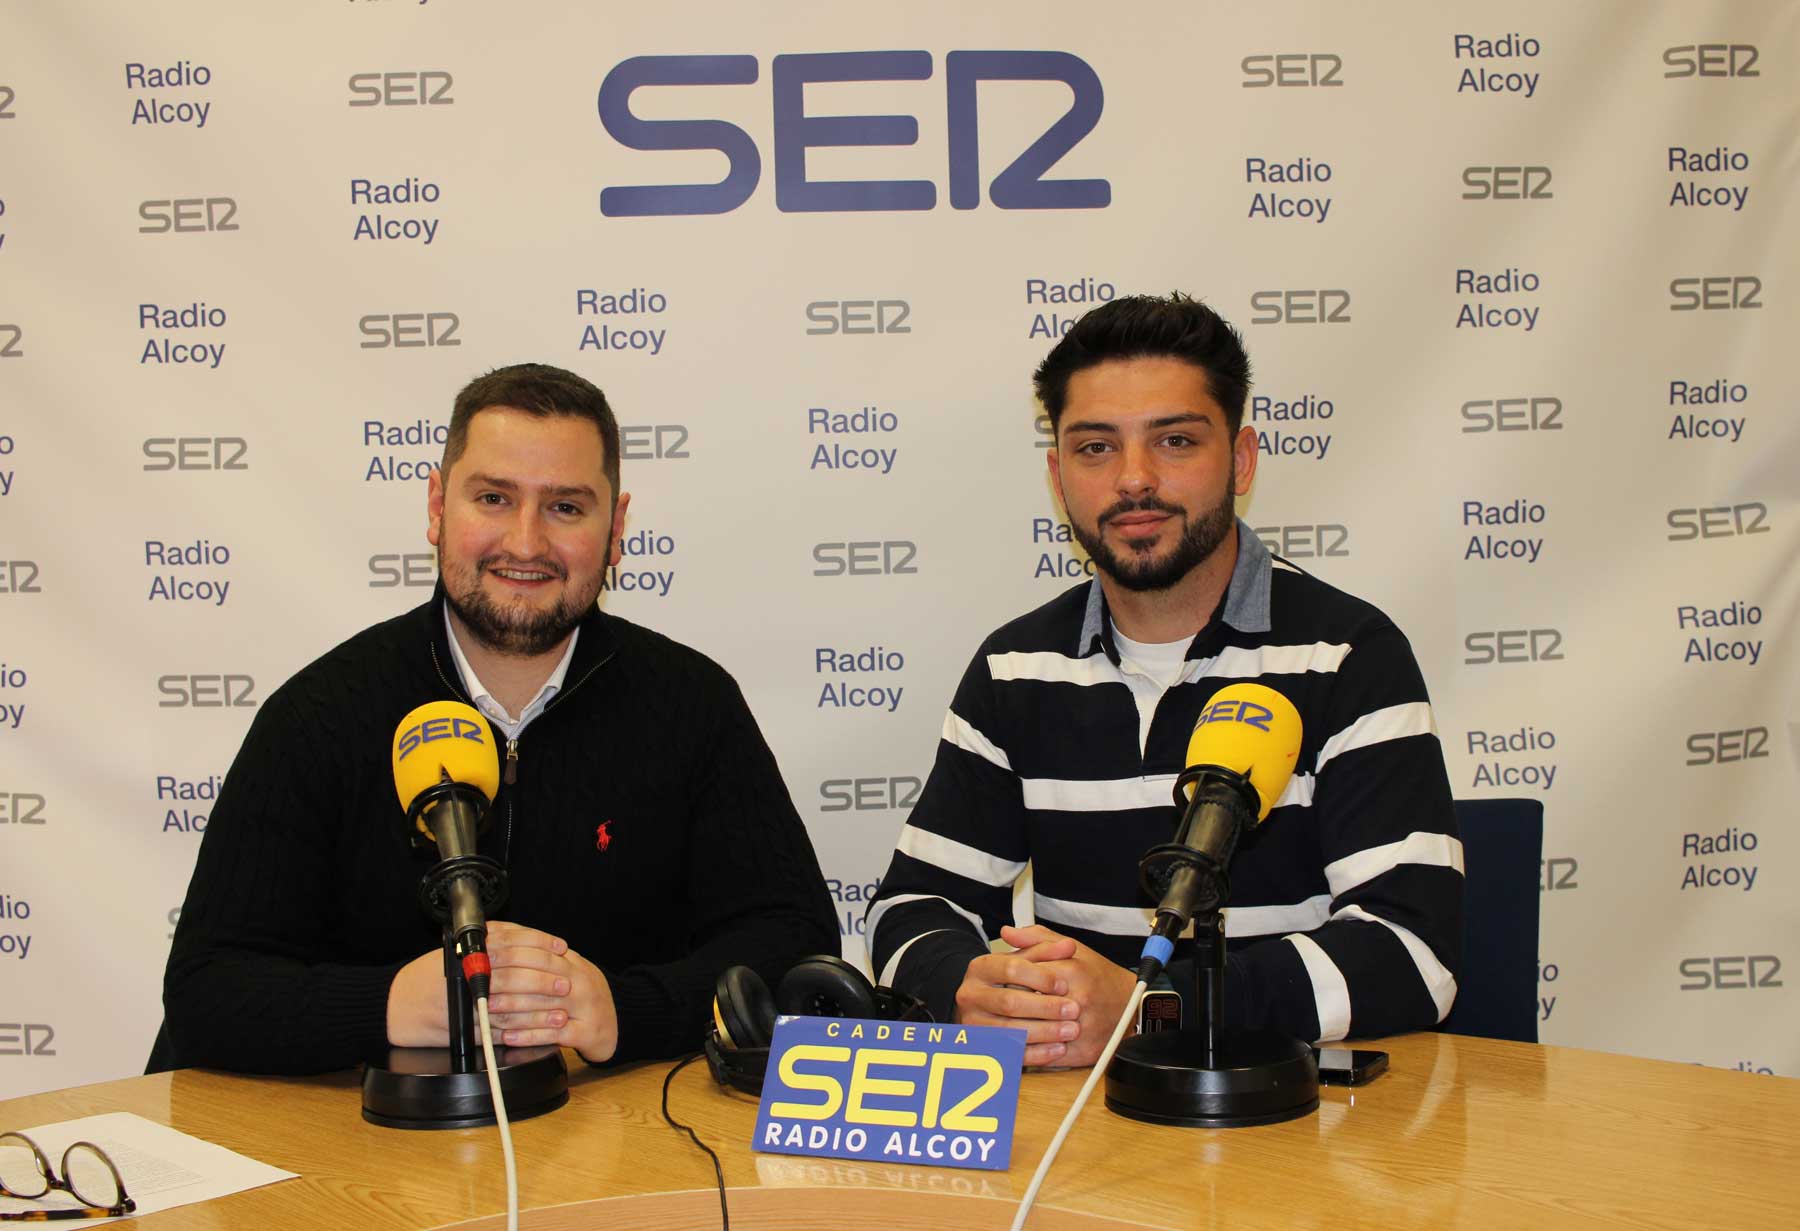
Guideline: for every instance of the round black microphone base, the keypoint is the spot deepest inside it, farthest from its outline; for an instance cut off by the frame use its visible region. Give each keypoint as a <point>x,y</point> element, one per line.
<point>1259,1077</point>
<point>419,1087</point>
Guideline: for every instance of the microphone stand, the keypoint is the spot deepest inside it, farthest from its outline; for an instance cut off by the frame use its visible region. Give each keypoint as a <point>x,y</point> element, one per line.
<point>1203,1075</point>
<point>447,1087</point>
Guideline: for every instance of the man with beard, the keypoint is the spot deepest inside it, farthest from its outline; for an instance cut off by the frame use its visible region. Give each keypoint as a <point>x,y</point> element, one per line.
<point>1069,727</point>
<point>648,837</point>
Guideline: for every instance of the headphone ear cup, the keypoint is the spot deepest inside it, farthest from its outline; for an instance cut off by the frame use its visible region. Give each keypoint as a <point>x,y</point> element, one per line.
<point>743,1009</point>
<point>825,987</point>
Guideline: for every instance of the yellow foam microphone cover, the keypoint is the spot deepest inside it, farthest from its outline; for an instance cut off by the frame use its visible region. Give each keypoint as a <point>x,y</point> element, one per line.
<point>1252,730</point>
<point>444,737</point>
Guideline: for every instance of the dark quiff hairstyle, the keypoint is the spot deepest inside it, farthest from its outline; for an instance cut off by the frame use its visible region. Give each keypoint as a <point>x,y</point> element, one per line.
<point>1150,326</point>
<point>541,390</point>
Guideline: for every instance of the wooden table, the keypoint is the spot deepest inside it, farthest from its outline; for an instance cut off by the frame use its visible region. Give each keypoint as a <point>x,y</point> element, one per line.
<point>1460,1133</point>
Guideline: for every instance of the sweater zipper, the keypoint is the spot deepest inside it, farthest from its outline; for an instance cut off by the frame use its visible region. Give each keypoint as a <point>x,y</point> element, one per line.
<point>510,775</point>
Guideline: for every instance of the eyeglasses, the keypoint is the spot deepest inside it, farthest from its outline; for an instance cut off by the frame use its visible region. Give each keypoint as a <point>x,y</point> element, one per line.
<point>87,1174</point>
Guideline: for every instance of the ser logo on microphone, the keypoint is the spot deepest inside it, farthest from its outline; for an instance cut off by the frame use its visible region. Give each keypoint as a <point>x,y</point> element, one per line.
<point>1234,709</point>
<point>434,729</point>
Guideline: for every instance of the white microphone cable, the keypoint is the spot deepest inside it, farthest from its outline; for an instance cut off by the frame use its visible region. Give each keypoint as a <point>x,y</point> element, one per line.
<point>1106,1055</point>
<point>506,1146</point>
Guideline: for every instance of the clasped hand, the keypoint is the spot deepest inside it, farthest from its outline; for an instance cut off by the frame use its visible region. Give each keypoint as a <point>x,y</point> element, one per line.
<point>1066,996</point>
<point>541,992</point>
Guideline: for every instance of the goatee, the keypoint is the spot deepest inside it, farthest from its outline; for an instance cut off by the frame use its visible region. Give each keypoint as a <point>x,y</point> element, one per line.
<point>516,630</point>
<point>1199,539</point>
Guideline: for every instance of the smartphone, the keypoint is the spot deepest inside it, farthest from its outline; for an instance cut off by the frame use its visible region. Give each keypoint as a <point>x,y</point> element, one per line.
<point>1344,1066</point>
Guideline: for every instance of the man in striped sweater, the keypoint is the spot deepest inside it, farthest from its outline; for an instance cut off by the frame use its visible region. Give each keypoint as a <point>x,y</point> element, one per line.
<point>1068,730</point>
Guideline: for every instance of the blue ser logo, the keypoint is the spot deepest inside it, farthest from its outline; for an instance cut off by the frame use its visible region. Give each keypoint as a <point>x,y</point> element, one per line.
<point>434,729</point>
<point>1234,710</point>
<point>1020,186</point>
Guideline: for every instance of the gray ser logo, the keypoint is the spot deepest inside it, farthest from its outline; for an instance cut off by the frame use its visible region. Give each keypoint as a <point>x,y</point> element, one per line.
<point>19,577</point>
<point>186,215</point>
<point>212,691</point>
<point>427,87</point>
<point>196,453</point>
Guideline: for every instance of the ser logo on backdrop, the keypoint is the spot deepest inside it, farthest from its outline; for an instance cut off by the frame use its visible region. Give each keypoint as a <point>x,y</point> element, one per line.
<point>23,808</point>
<point>876,794</point>
<point>1285,307</point>
<point>1727,747</point>
<point>1712,60</point>
<point>19,577</point>
<point>653,442</point>
<point>1720,521</point>
<point>1519,414</point>
<point>1322,540</point>
<point>1716,293</point>
<point>409,330</point>
<point>1731,973</point>
<point>866,558</point>
<point>26,1039</point>
<point>429,87</point>
<point>848,316</point>
<point>206,691</point>
<point>1507,646</point>
<point>411,568</point>
<point>187,215</point>
<point>1292,70</point>
<point>1508,183</point>
<point>1020,185</point>
<point>196,453</point>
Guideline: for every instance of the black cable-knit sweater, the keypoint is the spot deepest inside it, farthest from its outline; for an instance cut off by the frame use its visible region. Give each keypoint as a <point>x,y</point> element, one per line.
<point>646,824</point>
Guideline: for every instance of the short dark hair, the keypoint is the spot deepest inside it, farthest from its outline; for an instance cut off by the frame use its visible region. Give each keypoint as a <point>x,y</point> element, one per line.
<point>541,390</point>
<point>1150,326</point>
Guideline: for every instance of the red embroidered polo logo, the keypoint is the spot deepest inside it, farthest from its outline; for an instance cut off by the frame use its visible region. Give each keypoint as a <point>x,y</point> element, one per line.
<point>602,836</point>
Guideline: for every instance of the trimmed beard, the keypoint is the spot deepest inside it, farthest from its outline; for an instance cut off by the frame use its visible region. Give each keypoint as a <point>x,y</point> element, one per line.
<point>1199,539</point>
<point>516,631</point>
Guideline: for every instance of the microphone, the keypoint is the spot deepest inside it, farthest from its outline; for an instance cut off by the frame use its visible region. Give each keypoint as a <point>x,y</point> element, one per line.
<point>446,772</point>
<point>1240,757</point>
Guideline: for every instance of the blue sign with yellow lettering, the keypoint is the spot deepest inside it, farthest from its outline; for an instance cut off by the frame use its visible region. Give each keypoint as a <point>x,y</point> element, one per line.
<point>892,1092</point>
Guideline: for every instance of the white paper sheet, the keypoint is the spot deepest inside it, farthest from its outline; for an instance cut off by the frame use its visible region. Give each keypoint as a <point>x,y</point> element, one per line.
<point>161,1168</point>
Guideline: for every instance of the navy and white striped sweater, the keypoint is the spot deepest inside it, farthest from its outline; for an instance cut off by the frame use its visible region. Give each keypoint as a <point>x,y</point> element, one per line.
<point>1345,914</point>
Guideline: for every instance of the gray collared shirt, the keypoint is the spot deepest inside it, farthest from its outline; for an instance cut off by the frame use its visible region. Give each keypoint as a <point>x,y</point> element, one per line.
<point>1246,597</point>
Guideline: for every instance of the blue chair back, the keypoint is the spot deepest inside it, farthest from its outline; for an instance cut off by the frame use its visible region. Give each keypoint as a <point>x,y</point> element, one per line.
<point>1497,986</point>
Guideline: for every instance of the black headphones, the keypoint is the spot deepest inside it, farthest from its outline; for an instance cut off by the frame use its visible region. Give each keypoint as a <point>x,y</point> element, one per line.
<point>744,1012</point>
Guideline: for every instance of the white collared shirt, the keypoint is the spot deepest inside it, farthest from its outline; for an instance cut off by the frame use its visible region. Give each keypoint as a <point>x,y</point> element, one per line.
<point>484,700</point>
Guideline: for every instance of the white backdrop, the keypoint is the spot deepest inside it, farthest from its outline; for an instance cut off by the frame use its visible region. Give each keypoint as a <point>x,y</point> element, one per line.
<point>1477,260</point>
